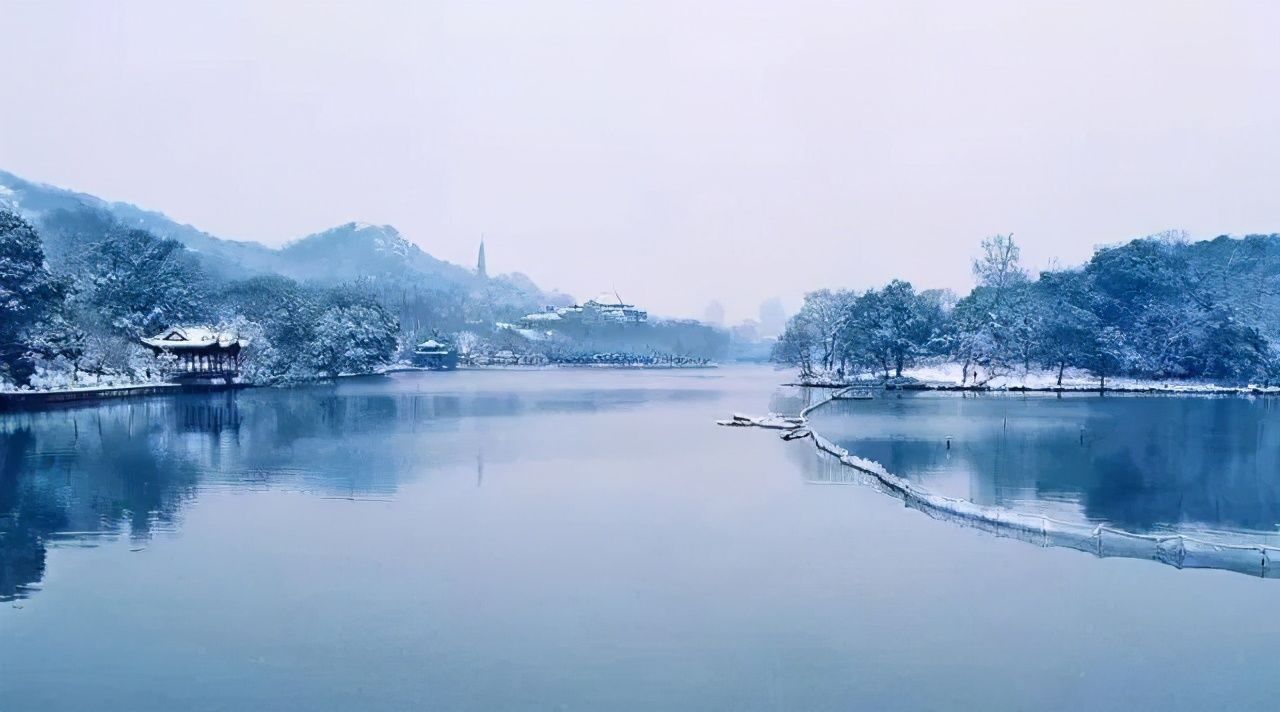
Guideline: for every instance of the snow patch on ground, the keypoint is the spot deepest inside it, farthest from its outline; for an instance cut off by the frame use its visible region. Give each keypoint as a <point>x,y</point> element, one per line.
<point>773,421</point>
<point>56,381</point>
<point>951,375</point>
<point>86,388</point>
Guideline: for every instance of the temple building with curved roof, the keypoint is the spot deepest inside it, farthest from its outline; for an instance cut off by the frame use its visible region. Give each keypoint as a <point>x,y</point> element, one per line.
<point>198,352</point>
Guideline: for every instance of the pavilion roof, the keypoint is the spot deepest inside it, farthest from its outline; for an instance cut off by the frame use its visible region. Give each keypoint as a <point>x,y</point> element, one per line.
<point>193,337</point>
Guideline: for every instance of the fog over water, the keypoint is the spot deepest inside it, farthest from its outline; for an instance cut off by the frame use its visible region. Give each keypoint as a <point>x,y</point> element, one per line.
<point>732,151</point>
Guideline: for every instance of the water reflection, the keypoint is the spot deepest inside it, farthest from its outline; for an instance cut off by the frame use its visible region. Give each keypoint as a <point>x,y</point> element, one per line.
<point>1208,465</point>
<point>129,468</point>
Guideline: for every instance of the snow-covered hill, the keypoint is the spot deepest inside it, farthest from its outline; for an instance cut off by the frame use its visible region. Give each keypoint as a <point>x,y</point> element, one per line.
<point>39,203</point>
<point>360,249</point>
<point>339,254</point>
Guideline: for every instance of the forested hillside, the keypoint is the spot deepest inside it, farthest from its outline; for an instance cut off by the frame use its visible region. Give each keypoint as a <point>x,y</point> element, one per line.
<point>78,321</point>
<point>67,219</point>
<point>1158,307</point>
<point>82,279</point>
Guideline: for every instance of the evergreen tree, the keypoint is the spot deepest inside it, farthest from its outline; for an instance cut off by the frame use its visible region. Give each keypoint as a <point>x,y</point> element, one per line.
<point>138,283</point>
<point>1065,326</point>
<point>29,294</point>
<point>892,327</point>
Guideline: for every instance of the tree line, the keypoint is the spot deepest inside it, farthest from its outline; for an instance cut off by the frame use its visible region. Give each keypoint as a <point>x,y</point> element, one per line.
<point>78,291</point>
<point>1158,307</point>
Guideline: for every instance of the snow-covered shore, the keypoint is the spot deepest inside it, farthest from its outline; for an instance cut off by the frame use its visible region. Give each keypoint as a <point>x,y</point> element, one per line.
<point>37,398</point>
<point>558,366</point>
<point>11,398</point>
<point>949,376</point>
<point>83,389</point>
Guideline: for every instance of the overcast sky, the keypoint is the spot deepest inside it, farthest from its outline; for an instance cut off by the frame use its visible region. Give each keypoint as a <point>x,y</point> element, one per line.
<point>676,151</point>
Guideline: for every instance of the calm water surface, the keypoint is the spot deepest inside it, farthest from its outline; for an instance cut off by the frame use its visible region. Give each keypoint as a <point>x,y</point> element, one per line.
<point>589,540</point>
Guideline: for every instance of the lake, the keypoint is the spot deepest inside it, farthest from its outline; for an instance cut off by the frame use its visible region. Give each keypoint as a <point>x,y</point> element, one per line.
<point>583,540</point>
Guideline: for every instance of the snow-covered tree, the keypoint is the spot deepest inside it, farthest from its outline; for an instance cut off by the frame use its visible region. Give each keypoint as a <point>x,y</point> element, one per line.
<point>999,267</point>
<point>280,316</point>
<point>466,342</point>
<point>138,283</point>
<point>1233,351</point>
<point>1065,328</point>
<point>823,316</point>
<point>891,328</point>
<point>29,294</point>
<point>353,337</point>
<point>798,345</point>
<point>1110,354</point>
<point>995,324</point>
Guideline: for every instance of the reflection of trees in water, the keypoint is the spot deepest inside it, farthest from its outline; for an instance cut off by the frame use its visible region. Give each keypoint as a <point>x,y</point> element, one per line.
<point>26,516</point>
<point>213,415</point>
<point>1139,463</point>
<point>84,474</point>
<point>131,467</point>
<point>1218,464</point>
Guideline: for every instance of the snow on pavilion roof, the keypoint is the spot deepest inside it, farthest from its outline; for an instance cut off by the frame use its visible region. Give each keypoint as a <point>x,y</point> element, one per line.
<point>543,316</point>
<point>432,344</point>
<point>193,337</point>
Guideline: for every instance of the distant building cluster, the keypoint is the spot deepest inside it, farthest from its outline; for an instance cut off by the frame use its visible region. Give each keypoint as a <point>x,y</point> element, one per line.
<point>606,308</point>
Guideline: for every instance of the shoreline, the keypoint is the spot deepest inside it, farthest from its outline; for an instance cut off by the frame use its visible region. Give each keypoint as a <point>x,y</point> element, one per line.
<point>15,401</point>
<point>1179,388</point>
<point>551,367</point>
<point>12,401</point>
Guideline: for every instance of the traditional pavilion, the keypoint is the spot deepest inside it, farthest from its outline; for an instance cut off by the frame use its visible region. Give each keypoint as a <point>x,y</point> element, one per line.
<point>199,352</point>
<point>435,355</point>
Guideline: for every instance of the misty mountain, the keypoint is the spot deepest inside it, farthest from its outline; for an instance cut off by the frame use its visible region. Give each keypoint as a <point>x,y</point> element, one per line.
<point>357,249</point>
<point>339,254</point>
<point>69,215</point>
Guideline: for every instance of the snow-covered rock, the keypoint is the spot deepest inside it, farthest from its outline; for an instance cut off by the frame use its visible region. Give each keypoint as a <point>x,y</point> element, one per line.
<point>773,421</point>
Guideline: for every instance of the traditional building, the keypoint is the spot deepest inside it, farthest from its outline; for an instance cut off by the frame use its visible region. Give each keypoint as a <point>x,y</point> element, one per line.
<point>482,270</point>
<point>604,308</point>
<point>198,352</point>
<point>436,355</point>
<point>610,307</point>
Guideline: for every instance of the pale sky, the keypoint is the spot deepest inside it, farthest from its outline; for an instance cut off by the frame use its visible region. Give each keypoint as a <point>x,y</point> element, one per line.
<point>676,151</point>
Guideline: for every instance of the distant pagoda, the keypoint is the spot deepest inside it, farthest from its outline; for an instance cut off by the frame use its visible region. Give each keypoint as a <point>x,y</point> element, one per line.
<point>481,269</point>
